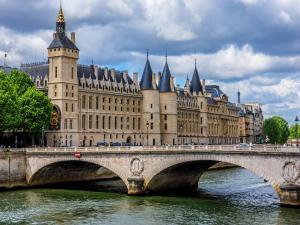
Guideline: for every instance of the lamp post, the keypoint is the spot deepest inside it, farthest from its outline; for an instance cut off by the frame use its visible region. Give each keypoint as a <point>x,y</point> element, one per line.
<point>296,130</point>
<point>181,128</point>
<point>43,134</point>
<point>147,125</point>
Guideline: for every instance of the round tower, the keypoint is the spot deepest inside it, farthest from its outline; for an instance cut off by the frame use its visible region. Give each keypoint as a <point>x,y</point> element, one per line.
<point>151,107</point>
<point>168,108</point>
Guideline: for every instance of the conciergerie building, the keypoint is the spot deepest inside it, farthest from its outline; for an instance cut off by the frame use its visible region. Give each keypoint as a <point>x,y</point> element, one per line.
<point>93,104</point>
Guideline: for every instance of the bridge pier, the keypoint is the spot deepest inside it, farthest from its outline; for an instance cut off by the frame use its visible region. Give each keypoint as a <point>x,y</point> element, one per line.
<point>136,186</point>
<point>290,195</point>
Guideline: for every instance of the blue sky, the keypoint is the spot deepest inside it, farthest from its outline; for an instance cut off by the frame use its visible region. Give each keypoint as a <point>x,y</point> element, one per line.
<point>252,45</point>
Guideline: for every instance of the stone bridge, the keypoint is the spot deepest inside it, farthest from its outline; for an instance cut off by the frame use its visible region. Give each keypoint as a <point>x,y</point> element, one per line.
<point>154,169</point>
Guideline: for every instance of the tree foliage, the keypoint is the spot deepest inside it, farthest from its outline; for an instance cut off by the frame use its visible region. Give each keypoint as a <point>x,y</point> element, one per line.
<point>293,132</point>
<point>276,129</point>
<point>22,107</point>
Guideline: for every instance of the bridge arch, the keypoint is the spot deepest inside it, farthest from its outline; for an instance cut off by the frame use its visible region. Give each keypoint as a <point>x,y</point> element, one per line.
<point>51,171</point>
<point>186,173</point>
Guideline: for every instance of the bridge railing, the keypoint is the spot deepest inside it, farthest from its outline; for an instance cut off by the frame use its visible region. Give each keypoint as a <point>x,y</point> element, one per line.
<point>257,148</point>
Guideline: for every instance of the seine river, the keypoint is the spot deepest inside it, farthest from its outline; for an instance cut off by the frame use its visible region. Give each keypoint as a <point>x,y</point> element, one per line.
<point>232,196</point>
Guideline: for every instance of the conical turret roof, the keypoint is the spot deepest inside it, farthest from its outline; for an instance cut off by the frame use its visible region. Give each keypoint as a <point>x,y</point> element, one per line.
<point>146,81</point>
<point>195,82</point>
<point>165,81</point>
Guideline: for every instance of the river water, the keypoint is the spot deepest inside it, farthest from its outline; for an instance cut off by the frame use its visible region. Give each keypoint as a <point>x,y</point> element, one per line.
<point>233,196</point>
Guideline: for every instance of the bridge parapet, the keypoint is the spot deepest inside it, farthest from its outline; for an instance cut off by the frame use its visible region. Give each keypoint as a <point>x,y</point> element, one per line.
<point>183,148</point>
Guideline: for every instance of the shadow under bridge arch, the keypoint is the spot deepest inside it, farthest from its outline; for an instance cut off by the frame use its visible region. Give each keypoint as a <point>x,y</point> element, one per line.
<point>186,175</point>
<point>69,171</point>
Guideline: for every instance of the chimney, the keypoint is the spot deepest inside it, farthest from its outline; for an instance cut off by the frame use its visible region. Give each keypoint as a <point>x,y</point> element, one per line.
<point>106,72</point>
<point>113,74</point>
<point>203,85</point>
<point>135,78</point>
<point>96,71</point>
<point>239,96</point>
<point>125,75</point>
<point>154,80</point>
<point>159,77</point>
<point>172,83</point>
<point>73,37</point>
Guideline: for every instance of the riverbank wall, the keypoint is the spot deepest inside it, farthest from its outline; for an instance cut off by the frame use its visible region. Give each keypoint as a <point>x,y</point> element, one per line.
<point>12,169</point>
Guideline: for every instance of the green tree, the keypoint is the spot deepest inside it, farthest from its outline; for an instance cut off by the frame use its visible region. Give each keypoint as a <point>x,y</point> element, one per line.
<point>293,132</point>
<point>35,109</point>
<point>277,130</point>
<point>22,107</point>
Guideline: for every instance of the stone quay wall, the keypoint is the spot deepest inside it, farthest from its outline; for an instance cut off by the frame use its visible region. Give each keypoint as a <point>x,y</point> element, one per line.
<point>12,169</point>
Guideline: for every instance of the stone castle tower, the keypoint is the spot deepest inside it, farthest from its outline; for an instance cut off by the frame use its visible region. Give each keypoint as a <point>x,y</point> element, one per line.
<point>151,106</point>
<point>168,107</point>
<point>63,84</point>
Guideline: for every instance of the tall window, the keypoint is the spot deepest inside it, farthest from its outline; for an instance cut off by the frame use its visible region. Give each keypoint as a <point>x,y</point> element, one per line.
<point>83,122</point>
<point>56,72</point>
<point>72,73</point>
<point>66,124</point>
<point>133,123</point>
<point>97,122</point>
<point>66,107</point>
<point>71,124</point>
<point>90,122</point>
<point>72,107</point>
<point>90,102</point>
<point>97,102</point>
<point>109,122</point>
<point>83,101</point>
<point>116,123</point>
<point>103,122</point>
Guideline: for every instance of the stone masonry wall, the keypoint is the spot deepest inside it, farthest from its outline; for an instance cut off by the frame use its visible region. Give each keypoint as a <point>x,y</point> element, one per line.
<point>12,169</point>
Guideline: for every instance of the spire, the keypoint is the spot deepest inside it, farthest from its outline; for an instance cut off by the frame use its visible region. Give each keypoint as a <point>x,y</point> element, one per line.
<point>239,96</point>
<point>195,83</point>
<point>60,22</point>
<point>187,82</point>
<point>146,81</point>
<point>165,81</point>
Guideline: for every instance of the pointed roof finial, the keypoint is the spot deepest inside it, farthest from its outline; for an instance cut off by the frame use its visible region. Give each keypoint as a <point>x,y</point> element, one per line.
<point>166,55</point>
<point>147,53</point>
<point>60,17</point>
<point>195,62</point>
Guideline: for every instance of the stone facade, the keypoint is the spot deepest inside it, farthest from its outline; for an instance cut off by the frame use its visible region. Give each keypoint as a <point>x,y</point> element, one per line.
<point>93,104</point>
<point>251,123</point>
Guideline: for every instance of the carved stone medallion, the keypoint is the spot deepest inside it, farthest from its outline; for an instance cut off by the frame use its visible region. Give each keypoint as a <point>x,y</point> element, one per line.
<point>290,172</point>
<point>136,167</point>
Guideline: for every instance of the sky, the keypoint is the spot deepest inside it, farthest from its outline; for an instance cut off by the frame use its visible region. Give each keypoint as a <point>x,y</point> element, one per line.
<point>251,45</point>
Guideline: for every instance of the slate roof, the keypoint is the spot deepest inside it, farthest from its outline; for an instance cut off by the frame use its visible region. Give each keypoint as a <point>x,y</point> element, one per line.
<point>165,81</point>
<point>62,41</point>
<point>146,81</point>
<point>214,90</point>
<point>195,83</point>
<point>36,69</point>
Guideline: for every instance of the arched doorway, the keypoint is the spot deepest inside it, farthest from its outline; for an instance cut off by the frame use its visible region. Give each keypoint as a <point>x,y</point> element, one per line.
<point>129,140</point>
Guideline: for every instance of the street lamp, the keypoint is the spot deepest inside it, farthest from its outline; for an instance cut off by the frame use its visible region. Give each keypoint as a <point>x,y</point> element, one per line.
<point>296,130</point>
<point>147,125</point>
<point>43,134</point>
<point>181,128</point>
